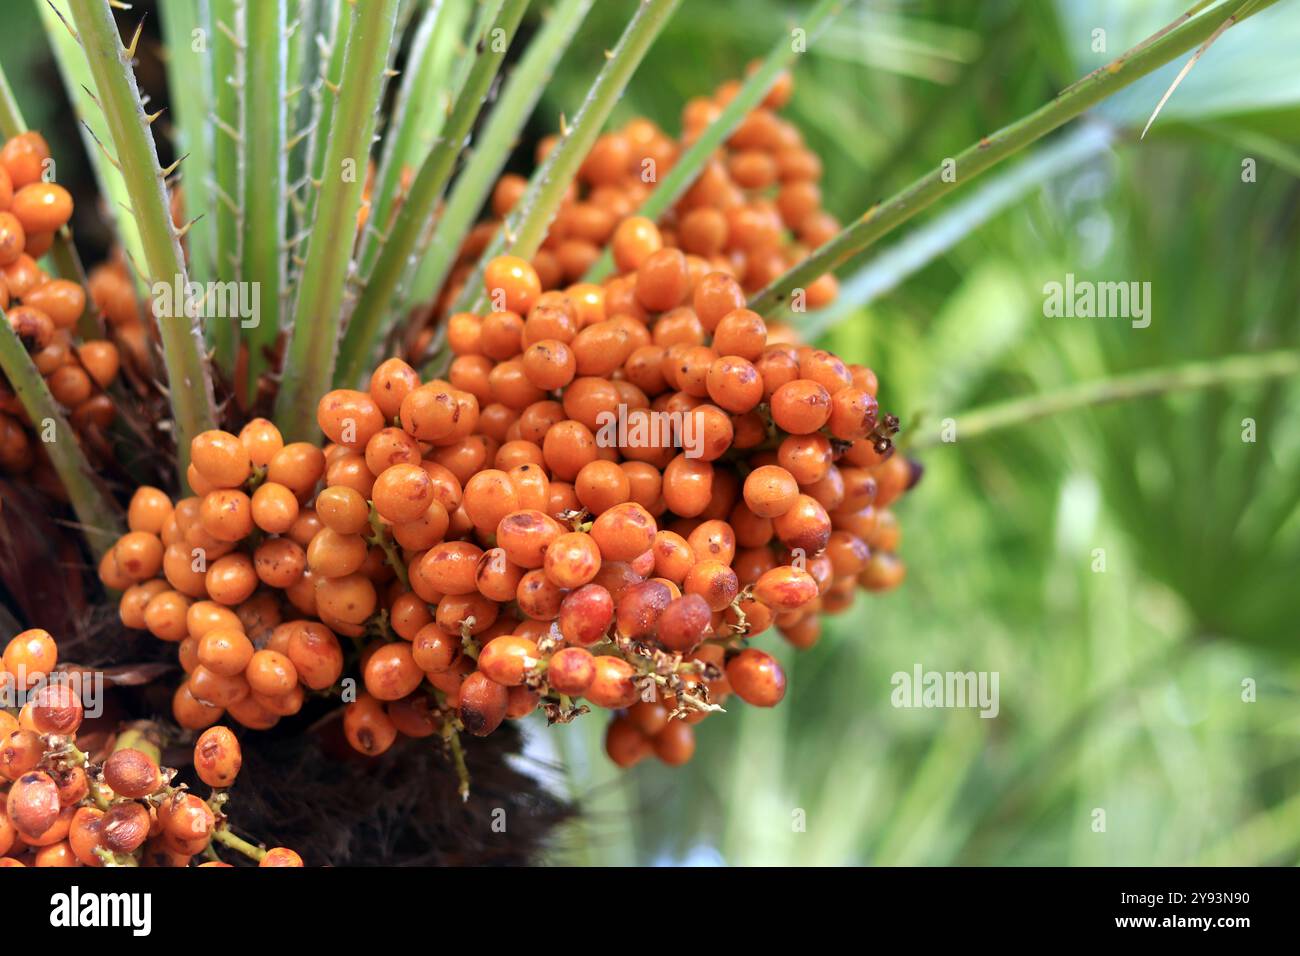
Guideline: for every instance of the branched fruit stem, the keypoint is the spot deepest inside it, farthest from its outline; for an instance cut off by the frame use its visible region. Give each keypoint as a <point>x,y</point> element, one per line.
<point>227,838</point>
<point>451,736</point>
<point>379,536</point>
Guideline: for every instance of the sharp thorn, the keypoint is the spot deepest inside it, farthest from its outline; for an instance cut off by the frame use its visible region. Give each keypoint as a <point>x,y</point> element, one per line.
<point>102,148</point>
<point>225,127</point>
<point>64,20</point>
<point>180,233</point>
<point>172,168</point>
<point>135,266</point>
<point>135,40</point>
<point>297,138</point>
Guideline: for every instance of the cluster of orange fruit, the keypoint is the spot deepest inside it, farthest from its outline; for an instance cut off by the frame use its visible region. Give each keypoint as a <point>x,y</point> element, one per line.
<point>60,806</point>
<point>113,293</point>
<point>660,483</point>
<point>191,574</point>
<point>590,507</point>
<point>754,212</point>
<point>44,311</point>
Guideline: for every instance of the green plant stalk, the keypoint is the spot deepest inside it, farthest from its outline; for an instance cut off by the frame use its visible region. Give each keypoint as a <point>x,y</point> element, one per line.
<point>1211,373</point>
<point>100,520</point>
<point>226,120</point>
<point>379,536</point>
<point>11,115</point>
<point>326,102</point>
<point>525,228</point>
<point>300,44</point>
<point>887,215</point>
<point>419,112</point>
<point>263,169</point>
<point>451,737</point>
<point>302,71</point>
<point>687,168</point>
<point>63,254</point>
<point>97,792</point>
<point>65,261</point>
<point>499,136</point>
<point>227,838</point>
<point>451,47</point>
<point>190,84</point>
<point>488,10</point>
<point>889,267</point>
<point>313,342</point>
<point>80,84</point>
<point>371,315</point>
<point>189,387</point>
<point>405,11</point>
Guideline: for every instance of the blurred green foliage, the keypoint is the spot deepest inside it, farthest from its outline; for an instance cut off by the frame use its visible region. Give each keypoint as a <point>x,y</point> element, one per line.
<point>1122,689</point>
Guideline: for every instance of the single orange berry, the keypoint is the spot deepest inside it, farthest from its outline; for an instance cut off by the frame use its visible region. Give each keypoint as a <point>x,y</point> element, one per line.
<point>42,207</point>
<point>756,677</point>
<point>513,282</point>
<point>217,757</point>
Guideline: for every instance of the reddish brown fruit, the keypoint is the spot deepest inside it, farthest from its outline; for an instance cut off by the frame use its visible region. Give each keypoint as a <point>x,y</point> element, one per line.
<point>132,774</point>
<point>571,671</point>
<point>483,704</point>
<point>33,804</point>
<point>217,757</point>
<point>756,678</point>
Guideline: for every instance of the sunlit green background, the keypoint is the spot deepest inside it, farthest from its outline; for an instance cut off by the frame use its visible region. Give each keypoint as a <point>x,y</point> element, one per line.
<point>1122,689</point>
